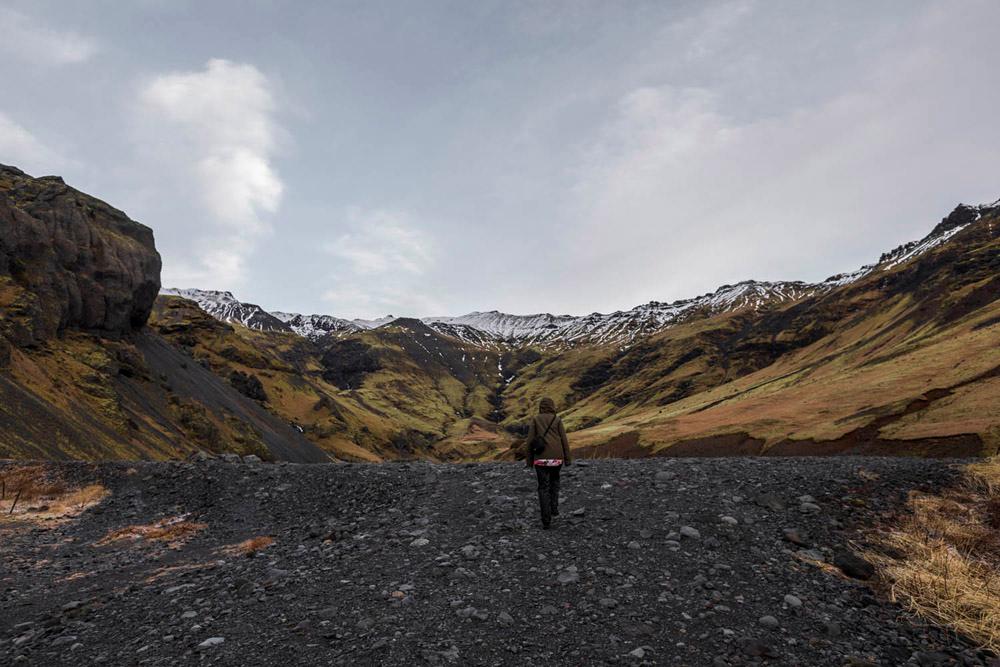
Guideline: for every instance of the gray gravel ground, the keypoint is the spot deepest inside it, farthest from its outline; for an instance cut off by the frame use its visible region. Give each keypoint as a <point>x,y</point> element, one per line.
<point>658,561</point>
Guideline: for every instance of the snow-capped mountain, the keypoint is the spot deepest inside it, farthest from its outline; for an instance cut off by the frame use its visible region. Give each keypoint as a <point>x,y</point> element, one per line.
<point>621,327</point>
<point>227,308</point>
<point>376,323</point>
<point>315,327</point>
<point>963,216</point>
<point>496,330</point>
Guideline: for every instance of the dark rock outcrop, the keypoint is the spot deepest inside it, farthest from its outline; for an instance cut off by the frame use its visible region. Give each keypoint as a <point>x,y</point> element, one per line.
<point>962,215</point>
<point>248,385</point>
<point>348,362</point>
<point>70,261</point>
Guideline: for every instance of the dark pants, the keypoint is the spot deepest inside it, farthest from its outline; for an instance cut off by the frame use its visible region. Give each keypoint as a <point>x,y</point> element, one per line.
<point>548,491</point>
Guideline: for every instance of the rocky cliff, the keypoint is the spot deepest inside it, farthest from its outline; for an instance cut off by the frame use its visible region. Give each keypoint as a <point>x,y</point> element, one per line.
<point>70,261</point>
<point>80,376</point>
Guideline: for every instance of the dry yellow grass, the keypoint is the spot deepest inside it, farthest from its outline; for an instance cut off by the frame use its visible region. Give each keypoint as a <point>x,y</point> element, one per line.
<point>29,482</point>
<point>36,492</point>
<point>987,474</point>
<point>175,530</point>
<point>77,500</point>
<point>943,559</point>
<point>248,547</point>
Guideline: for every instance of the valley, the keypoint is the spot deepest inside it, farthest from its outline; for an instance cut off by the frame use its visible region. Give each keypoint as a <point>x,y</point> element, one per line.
<point>895,358</point>
<point>531,334</point>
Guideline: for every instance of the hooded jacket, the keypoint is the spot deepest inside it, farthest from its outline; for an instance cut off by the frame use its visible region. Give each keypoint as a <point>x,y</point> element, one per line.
<point>556,442</point>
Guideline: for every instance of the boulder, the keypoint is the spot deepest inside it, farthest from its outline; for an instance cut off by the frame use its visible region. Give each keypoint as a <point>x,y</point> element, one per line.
<point>70,261</point>
<point>852,565</point>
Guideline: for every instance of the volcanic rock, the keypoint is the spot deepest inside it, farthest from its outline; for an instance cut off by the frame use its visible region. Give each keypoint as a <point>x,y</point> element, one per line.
<point>71,261</point>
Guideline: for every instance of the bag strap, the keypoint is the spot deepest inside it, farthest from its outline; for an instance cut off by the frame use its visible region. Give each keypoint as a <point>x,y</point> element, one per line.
<point>549,427</point>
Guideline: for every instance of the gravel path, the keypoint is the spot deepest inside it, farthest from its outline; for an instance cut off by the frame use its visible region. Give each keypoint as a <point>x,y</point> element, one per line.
<point>660,561</point>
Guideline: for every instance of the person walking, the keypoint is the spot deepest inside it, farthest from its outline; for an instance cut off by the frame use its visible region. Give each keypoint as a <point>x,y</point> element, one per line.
<point>547,453</point>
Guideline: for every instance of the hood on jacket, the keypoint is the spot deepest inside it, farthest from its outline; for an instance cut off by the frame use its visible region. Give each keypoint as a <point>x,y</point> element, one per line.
<point>546,405</point>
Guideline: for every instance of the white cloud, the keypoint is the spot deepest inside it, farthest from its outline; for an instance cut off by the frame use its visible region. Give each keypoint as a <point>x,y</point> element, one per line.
<point>381,242</point>
<point>383,259</point>
<point>589,156</point>
<point>21,148</point>
<point>22,37</point>
<point>217,126</point>
<point>695,193</point>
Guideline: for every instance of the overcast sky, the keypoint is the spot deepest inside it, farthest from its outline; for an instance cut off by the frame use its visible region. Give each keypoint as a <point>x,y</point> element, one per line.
<point>433,158</point>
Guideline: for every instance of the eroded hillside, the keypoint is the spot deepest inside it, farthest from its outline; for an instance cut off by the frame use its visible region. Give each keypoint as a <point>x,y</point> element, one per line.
<point>394,392</point>
<point>80,375</point>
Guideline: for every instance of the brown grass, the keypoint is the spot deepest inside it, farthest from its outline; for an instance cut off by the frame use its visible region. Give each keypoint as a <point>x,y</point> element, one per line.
<point>30,482</point>
<point>80,499</point>
<point>248,547</point>
<point>39,492</point>
<point>943,559</point>
<point>175,530</point>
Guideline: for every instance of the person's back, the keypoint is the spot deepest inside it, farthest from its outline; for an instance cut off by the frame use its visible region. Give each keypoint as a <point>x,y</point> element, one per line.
<point>547,451</point>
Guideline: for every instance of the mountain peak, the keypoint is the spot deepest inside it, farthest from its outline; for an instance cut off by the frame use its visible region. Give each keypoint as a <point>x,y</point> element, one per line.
<point>222,305</point>
<point>493,328</point>
<point>963,214</point>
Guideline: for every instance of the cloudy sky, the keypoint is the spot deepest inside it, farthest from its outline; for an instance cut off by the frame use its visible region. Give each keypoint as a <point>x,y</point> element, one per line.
<point>430,158</point>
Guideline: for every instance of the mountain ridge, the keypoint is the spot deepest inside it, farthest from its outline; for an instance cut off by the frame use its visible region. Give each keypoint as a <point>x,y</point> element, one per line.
<point>495,329</point>
<point>895,358</point>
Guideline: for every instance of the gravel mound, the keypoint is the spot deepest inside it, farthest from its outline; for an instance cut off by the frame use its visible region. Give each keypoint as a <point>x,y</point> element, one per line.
<point>660,561</point>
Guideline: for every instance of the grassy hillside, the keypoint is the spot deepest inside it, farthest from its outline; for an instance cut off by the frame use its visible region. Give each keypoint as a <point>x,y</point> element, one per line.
<point>384,394</point>
<point>898,358</point>
<point>902,361</point>
<point>83,397</point>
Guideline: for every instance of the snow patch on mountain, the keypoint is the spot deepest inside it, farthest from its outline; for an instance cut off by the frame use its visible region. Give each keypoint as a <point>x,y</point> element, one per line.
<point>227,308</point>
<point>376,323</point>
<point>315,327</point>
<point>621,326</point>
<point>496,330</point>
<point>963,216</point>
<point>904,253</point>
